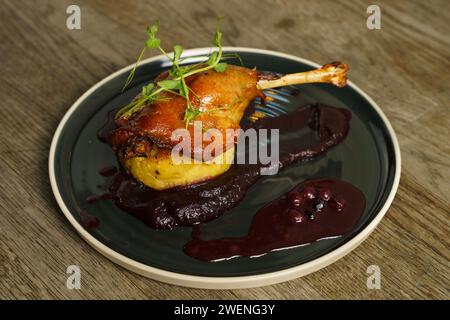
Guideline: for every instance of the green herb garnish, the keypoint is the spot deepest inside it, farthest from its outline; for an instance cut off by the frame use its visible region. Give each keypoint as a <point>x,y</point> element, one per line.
<point>175,83</point>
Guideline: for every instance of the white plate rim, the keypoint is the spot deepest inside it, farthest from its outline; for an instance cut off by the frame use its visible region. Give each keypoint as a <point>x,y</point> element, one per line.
<point>232,282</point>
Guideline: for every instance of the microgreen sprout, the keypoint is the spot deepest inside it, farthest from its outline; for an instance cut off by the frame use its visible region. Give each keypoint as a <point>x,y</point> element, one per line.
<point>175,83</point>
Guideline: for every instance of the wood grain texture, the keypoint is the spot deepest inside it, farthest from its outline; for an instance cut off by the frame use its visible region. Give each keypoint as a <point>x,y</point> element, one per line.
<point>405,67</point>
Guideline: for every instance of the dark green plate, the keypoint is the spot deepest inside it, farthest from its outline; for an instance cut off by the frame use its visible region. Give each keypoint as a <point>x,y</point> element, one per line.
<point>369,158</point>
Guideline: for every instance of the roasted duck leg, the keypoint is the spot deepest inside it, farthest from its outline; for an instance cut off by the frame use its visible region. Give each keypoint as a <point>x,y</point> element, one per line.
<point>144,140</point>
<point>221,97</point>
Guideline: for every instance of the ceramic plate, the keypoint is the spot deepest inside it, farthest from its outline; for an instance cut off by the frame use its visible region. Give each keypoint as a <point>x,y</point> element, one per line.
<point>369,158</point>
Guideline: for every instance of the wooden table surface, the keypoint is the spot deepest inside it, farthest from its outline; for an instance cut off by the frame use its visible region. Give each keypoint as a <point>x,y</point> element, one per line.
<point>405,67</point>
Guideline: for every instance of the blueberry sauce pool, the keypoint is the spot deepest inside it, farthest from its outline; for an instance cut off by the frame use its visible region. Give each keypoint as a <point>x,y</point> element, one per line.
<point>313,210</point>
<point>316,129</point>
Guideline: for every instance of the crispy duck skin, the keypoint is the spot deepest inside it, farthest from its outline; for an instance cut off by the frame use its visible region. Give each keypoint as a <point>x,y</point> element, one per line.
<point>222,98</point>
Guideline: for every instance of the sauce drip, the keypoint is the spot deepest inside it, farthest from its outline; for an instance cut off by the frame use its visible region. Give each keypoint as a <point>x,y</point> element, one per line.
<point>313,210</point>
<point>88,221</point>
<point>107,171</point>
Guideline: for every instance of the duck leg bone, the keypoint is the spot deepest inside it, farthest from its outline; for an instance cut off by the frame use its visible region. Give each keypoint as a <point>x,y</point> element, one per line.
<point>334,73</point>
